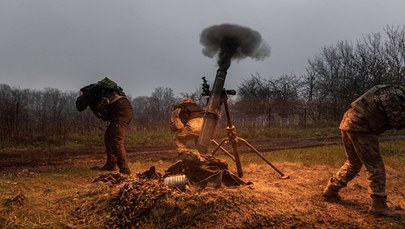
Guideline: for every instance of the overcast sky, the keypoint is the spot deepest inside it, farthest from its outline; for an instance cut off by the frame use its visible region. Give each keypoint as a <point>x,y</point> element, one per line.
<point>143,45</point>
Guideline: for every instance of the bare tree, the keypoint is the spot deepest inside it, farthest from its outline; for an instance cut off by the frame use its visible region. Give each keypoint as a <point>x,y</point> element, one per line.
<point>142,111</point>
<point>395,54</point>
<point>161,103</point>
<point>261,97</point>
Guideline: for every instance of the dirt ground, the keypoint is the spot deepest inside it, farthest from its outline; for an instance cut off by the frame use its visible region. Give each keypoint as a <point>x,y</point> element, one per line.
<point>270,202</point>
<point>297,202</point>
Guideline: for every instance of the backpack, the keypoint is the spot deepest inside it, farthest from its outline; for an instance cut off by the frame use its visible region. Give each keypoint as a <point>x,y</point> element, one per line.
<point>110,85</point>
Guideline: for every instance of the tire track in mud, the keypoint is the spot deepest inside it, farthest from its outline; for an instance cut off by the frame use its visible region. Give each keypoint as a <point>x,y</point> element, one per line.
<point>94,155</point>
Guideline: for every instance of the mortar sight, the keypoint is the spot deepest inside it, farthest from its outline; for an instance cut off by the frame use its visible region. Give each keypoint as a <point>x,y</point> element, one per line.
<point>205,87</point>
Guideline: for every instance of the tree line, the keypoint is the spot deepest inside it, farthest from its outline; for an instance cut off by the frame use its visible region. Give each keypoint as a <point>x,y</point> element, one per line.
<point>334,77</point>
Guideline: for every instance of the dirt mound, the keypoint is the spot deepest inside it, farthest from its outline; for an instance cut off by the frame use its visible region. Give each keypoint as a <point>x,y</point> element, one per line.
<point>134,201</point>
<point>144,203</point>
<point>269,202</point>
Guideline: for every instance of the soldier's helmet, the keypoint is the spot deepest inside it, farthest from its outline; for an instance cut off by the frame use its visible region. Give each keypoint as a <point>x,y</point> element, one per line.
<point>109,84</point>
<point>187,100</point>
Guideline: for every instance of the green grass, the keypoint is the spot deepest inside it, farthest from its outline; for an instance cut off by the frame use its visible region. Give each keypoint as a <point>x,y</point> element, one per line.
<point>162,137</point>
<point>334,155</point>
<point>50,197</point>
<point>88,139</point>
<point>325,155</point>
<point>261,134</point>
<point>149,138</point>
<point>394,153</point>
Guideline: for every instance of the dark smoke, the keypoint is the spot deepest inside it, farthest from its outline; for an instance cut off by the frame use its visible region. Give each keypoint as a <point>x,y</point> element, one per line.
<point>233,42</point>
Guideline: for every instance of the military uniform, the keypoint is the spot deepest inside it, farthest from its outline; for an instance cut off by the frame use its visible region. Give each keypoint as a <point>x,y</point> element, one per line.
<point>381,108</point>
<point>109,103</point>
<point>186,119</point>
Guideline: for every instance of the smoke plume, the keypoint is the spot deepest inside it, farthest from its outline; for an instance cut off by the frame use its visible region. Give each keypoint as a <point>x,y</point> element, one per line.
<point>231,41</point>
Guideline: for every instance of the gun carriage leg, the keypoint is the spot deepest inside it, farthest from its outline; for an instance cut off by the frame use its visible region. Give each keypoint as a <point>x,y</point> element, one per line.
<point>234,140</point>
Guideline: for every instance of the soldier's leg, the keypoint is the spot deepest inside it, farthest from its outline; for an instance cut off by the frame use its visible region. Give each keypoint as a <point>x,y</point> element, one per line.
<point>118,130</point>
<point>185,152</point>
<point>111,163</point>
<point>353,164</point>
<point>369,152</point>
<point>183,137</point>
<point>347,172</point>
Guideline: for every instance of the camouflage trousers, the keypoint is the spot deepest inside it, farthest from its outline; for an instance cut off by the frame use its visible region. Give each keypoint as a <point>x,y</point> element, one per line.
<point>190,132</point>
<point>362,149</point>
<point>114,143</point>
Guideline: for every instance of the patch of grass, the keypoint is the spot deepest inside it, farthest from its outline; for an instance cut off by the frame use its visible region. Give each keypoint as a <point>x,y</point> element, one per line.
<point>58,198</point>
<point>267,133</point>
<point>393,153</point>
<point>53,142</point>
<point>150,138</point>
<point>49,197</point>
<point>153,137</point>
<point>163,136</point>
<point>324,155</point>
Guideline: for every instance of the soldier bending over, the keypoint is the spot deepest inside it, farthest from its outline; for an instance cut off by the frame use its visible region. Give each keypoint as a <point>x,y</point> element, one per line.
<point>109,103</point>
<point>381,108</point>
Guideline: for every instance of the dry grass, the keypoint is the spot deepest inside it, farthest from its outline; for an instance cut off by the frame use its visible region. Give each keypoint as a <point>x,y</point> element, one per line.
<point>52,199</point>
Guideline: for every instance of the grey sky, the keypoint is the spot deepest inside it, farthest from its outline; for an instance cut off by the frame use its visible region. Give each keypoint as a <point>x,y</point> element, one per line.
<point>142,45</point>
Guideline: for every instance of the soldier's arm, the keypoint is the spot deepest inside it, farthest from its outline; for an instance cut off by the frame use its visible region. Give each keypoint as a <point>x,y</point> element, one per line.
<point>175,121</point>
<point>82,102</point>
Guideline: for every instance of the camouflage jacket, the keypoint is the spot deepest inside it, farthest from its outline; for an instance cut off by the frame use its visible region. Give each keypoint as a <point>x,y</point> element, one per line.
<point>379,109</point>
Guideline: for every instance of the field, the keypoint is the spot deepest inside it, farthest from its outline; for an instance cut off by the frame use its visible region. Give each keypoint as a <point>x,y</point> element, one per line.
<point>56,188</point>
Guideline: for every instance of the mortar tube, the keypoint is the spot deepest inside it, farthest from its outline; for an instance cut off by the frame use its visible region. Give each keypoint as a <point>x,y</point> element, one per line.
<point>211,116</point>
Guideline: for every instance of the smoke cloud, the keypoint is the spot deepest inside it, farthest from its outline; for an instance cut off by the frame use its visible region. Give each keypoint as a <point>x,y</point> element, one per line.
<point>231,41</point>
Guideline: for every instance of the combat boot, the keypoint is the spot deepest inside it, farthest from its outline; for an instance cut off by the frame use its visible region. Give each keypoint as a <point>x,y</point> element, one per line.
<point>125,171</point>
<point>331,192</point>
<point>379,207</point>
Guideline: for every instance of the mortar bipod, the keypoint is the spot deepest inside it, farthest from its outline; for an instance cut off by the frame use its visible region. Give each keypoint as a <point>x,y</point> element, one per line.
<point>233,138</point>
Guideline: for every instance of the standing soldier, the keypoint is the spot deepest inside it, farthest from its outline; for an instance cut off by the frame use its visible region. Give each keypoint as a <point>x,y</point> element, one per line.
<point>109,103</point>
<point>379,109</point>
<point>186,119</point>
